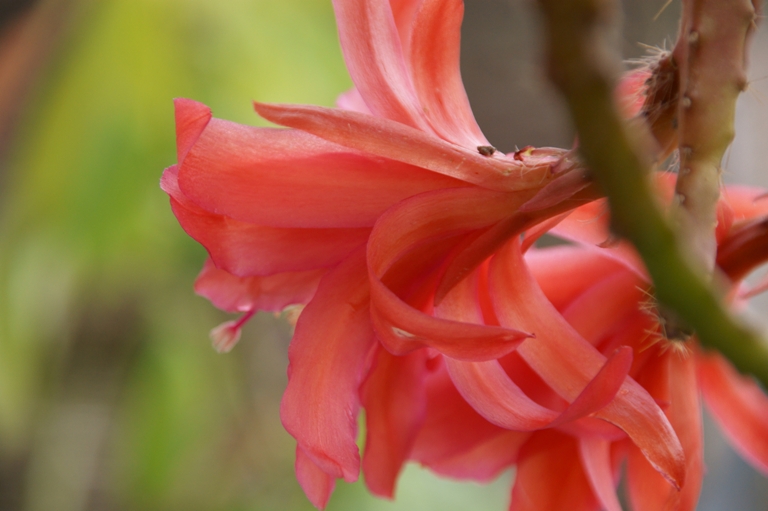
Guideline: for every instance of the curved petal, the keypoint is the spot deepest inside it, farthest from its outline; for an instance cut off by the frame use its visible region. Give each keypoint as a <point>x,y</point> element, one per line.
<point>271,293</point>
<point>738,406</point>
<point>288,178</point>
<point>648,491</point>
<point>394,398</point>
<point>390,139</point>
<point>567,362</point>
<point>373,54</point>
<point>317,485</point>
<point>454,433</point>
<point>550,477</point>
<point>191,119</point>
<point>488,242</point>
<point>564,272</point>
<point>602,308</point>
<point>486,386</point>
<point>595,456</point>
<point>495,396</point>
<point>746,202</point>
<point>589,225</point>
<point>328,356</point>
<point>246,249</point>
<point>434,60</point>
<point>492,393</point>
<point>405,228</point>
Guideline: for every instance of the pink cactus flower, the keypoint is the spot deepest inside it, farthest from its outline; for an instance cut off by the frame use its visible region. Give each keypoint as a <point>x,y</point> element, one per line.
<point>399,227</point>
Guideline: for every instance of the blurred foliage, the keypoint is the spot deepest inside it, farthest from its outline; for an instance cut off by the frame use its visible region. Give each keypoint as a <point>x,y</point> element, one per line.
<point>110,395</point>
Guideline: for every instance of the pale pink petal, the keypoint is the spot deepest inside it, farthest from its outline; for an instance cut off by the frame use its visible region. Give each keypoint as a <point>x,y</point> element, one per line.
<point>596,459</point>
<point>567,362</point>
<point>353,101</point>
<point>738,406</point>
<point>271,293</point>
<point>328,356</point>
<point>283,178</point>
<point>394,398</point>
<point>550,477</point>
<point>395,141</point>
<point>406,228</point>
<point>317,485</point>
<point>648,491</point>
<point>434,59</point>
<point>565,271</point>
<point>373,54</point>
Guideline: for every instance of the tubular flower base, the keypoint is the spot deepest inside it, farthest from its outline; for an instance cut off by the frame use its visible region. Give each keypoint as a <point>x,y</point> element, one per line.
<point>408,238</point>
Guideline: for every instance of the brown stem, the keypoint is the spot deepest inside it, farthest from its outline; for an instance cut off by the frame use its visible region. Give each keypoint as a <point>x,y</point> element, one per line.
<point>710,54</point>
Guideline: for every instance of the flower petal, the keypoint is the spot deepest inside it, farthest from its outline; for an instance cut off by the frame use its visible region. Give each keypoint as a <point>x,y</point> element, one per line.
<point>451,429</point>
<point>283,178</point>
<point>191,119</point>
<point>595,456</point>
<point>486,386</point>
<point>550,477</point>
<point>434,60</point>
<point>648,491</point>
<point>317,485</point>
<point>329,355</point>
<point>395,403</point>
<point>738,406</point>
<point>406,228</point>
<point>245,249</point>
<point>602,308</point>
<point>373,54</point>
<point>565,271</point>
<point>485,461</point>
<point>567,362</point>
<point>271,293</point>
<point>395,141</point>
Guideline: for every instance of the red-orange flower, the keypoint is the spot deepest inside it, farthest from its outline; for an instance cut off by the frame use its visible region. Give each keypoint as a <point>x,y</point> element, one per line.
<point>398,225</point>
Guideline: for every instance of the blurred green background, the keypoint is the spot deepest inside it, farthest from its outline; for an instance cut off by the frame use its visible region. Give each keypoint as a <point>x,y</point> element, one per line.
<point>111,397</point>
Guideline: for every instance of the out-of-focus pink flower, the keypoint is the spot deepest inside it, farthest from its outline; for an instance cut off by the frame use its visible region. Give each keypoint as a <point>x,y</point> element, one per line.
<point>398,225</point>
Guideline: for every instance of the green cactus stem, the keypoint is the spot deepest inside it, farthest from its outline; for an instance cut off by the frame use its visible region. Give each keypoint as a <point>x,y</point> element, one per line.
<point>584,66</point>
